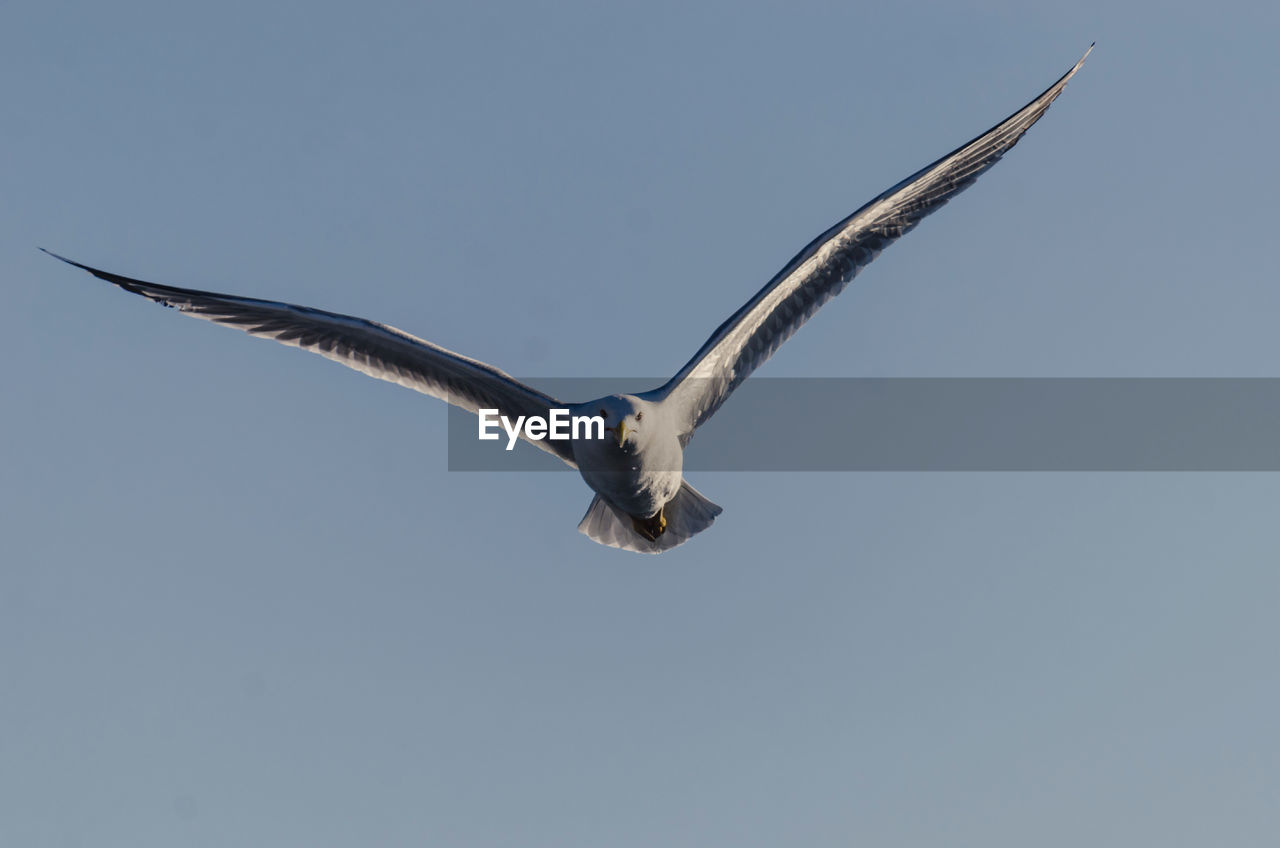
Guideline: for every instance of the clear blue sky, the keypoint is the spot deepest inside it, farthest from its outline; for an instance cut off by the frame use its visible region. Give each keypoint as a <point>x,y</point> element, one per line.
<point>242,602</point>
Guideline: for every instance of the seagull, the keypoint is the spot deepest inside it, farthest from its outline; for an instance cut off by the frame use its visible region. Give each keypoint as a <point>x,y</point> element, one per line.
<point>633,462</point>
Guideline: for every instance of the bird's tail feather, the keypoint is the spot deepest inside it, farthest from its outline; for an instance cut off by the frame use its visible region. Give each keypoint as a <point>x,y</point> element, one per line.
<point>688,514</point>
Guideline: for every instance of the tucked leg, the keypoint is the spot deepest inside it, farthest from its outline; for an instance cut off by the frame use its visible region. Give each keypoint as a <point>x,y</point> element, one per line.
<point>650,528</point>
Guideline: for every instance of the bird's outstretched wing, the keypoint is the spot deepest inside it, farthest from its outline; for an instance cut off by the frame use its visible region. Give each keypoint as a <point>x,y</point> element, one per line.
<point>368,347</point>
<point>822,270</point>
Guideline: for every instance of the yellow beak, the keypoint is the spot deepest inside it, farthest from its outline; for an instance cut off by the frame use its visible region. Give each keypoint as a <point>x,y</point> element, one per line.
<point>621,433</point>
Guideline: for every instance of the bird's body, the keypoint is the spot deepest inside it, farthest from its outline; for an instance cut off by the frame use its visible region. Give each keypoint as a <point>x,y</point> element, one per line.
<point>640,474</point>
<point>642,501</point>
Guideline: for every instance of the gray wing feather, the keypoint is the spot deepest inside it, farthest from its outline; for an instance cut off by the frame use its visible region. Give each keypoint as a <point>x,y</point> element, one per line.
<point>366,346</point>
<point>822,270</point>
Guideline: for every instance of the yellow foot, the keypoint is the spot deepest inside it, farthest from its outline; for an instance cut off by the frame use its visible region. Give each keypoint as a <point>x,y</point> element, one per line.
<point>651,528</point>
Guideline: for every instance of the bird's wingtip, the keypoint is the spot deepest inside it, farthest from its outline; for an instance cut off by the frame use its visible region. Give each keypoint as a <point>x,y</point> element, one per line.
<point>80,265</point>
<point>45,250</point>
<point>1069,74</point>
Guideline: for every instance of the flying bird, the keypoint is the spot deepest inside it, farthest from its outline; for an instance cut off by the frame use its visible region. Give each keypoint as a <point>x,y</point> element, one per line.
<point>642,502</point>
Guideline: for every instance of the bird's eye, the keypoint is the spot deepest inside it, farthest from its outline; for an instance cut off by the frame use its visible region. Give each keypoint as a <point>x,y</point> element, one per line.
<point>604,414</point>
<point>639,415</point>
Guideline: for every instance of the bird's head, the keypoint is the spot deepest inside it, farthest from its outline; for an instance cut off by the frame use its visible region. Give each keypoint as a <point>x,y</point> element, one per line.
<point>626,421</point>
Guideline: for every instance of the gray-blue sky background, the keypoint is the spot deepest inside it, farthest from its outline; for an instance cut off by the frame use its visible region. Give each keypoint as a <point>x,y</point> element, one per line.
<point>243,602</point>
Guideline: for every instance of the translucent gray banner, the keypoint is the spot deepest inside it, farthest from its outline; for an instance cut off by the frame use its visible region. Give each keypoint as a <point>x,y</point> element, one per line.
<point>936,424</point>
